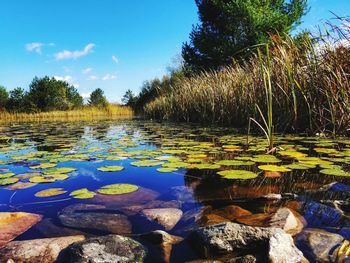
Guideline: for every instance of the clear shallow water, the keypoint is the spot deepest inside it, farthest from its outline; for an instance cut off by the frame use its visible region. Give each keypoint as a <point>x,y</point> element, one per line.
<point>192,152</point>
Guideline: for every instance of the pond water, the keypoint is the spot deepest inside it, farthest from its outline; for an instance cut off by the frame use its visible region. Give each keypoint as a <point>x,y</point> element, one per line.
<point>164,165</point>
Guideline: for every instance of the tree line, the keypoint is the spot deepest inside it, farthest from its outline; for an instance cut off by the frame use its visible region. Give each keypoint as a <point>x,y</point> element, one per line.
<point>48,94</point>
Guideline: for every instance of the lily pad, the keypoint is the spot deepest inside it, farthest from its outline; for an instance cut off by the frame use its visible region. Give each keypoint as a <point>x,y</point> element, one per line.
<point>274,168</point>
<point>237,174</point>
<point>234,163</point>
<point>118,189</point>
<point>300,166</point>
<point>166,169</point>
<point>7,181</point>
<point>334,172</point>
<point>60,170</point>
<point>43,166</point>
<point>146,163</point>
<point>50,192</point>
<point>265,158</point>
<point>83,193</point>
<point>41,179</point>
<point>111,168</point>
<point>6,175</point>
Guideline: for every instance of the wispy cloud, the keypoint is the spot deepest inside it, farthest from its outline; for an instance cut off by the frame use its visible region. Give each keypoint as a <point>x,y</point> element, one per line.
<point>109,77</point>
<point>34,47</point>
<point>67,54</point>
<point>115,59</point>
<point>86,70</point>
<point>93,77</point>
<point>63,78</point>
<point>85,95</point>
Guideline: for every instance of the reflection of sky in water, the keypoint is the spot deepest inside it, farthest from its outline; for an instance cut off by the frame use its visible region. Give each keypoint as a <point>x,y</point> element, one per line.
<point>135,141</point>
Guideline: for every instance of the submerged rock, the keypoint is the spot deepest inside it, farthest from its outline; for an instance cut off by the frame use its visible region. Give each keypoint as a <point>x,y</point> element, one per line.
<point>44,250</point>
<point>12,224</point>
<point>260,220</point>
<point>111,248</point>
<point>231,212</point>
<point>232,239</point>
<point>290,221</point>
<point>163,242</point>
<point>319,245</point>
<point>95,217</point>
<point>167,217</point>
<point>49,229</point>
<point>134,209</point>
<point>183,194</point>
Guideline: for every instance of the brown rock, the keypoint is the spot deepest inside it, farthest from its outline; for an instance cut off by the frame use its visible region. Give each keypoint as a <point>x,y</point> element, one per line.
<point>49,229</point>
<point>211,219</point>
<point>232,212</point>
<point>14,224</point>
<point>261,220</point>
<point>134,209</point>
<point>45,250</point>
<point>167,217</point>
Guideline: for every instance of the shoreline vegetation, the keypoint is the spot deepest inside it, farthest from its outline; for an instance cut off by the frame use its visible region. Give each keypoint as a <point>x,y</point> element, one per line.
<point>284,84</point>
<point>110,112</point>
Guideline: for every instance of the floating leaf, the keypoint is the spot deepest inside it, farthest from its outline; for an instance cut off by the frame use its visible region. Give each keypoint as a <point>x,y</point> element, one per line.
<point>41,179</point>
<point>43,166</point>
<point>50,192</point>
<point>146,163</point>
<point>166,170</point>
<point>234,163</point>
<point>8,181</point>
<point>237,174</point>
<point>205,166</point>
<point>59,177</point>
<point>300,166</point>
<point>60,170</point>
<point>117,189</point>
<point>265,158</point>
<point>334,172</point>
<point>274,168</point>
<point>6,175</point>
<point>83,193</point>
<point>110,168</point>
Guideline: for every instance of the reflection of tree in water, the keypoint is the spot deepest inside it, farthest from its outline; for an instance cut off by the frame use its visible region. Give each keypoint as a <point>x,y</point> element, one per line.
<point>52,136</point>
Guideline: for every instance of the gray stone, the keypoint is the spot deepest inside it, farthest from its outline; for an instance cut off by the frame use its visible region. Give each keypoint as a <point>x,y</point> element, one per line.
<point>319,245</point>
<point>290,221</point>
<point>233,239</point>
<point>111,248</point>
<point>44,250</point>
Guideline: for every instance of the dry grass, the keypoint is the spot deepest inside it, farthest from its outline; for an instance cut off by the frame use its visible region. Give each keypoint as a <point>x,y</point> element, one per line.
<point>86,113</point>
<point>310,90</point>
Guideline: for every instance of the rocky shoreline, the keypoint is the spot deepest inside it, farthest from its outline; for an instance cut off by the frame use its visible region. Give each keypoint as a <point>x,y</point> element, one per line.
<point>302,230</point>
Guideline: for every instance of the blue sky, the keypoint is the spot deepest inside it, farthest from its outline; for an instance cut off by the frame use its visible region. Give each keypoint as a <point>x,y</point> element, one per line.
<point>111,44</point>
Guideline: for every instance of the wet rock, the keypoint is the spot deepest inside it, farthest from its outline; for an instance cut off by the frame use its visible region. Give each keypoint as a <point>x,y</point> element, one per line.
<point>134,209</point>
<point>45,250</point>
<point>142,195</point>
<point>167,217</point>
<point>290,221</point>
<point>163,241</point>
<point>261,220</point>
<point>318,215</point>
<point>183,194</point>
<point>195,214</point>
<point>273,244</point>
<point>96,217</point>
<point>204,261</point>
<point>231,212</point>
<point>244,259</point>
<point>15,223</point>
<point>49,229</point>
<point>211,219</point>
<point>111,248</point>
<point>319,245</point>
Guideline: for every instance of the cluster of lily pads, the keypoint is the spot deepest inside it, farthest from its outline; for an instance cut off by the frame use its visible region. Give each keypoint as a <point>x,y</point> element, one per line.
<point>166,148</point>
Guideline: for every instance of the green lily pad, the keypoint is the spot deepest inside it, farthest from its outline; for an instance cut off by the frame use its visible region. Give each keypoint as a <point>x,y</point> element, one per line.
<point>237,174</point>
<point>50,192</point>
<point>274,168</point>
<point>166,170</point>
<point>60,170</point>
<point>111,168</point>
<point>117,189</point>
<point>234,163</point>
<point>300,166</point>
<point>146,163</point>
<point>334,172</point>
<point>205,166</point>
<point>43,166</point>
<point>7,181</point>
<point>265,158</point>
<point>6,175</point>
<point>83,193</point>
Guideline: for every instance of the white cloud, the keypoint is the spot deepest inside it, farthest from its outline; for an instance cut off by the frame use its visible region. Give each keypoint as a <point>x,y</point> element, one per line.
<point>85,95</point>
<point>34,47</point>
<point>86,70</point>
<point>109,76</point>
<point>76,85</point>
<point>115,59</point>
<point>66,54</point>
<point>93,77</point>
<point>63,78</point>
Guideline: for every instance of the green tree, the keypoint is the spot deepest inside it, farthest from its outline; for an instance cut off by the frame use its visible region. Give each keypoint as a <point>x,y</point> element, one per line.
<point>17,100</point>
<point>229,27</point>
<point>47,94</point>
<point>98,99</point>
<point>3,97</point>
<point>129,98</point>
